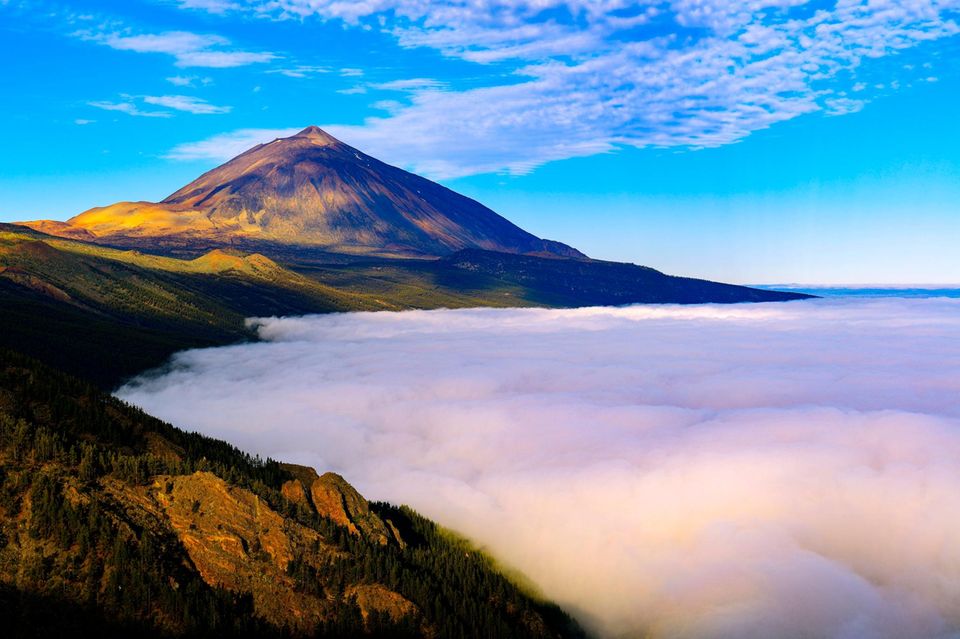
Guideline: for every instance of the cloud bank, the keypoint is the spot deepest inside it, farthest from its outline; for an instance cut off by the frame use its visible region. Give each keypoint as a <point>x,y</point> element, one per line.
<point>571,78</point>
<point>777,470</point>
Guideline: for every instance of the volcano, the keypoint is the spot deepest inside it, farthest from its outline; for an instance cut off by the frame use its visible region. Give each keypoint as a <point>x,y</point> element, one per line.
<point>309,190</point>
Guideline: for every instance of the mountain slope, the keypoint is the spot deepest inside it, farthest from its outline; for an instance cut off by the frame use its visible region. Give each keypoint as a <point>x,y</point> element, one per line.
<point>107,314</point>
<point>486,278</point>
<point>574,283</point>
<point>328,211</point>
<point>310,190</point>
<point>114,524</point>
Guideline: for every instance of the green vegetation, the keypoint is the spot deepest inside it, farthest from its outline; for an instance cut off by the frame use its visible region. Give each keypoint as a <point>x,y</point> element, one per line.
<point>474,277</point>
<point>107,314</point>
<point>423,284</point>
<point>89,530</point>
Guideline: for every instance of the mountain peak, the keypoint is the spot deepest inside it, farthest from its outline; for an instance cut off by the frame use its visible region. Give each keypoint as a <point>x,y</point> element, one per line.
<point>312,191</point>
<point>317,134</point>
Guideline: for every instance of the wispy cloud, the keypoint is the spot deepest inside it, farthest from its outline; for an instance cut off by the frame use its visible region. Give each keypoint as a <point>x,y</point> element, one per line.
<point>410,84</point>
<point>599,75</point>
<point>188,49</point>
<point>211,6</point>
<point>186,103</point>
<point>189,81</point>
<point>228,145</point>
<point>128,107</point>
<point>776,470</point>
<point>301,71</point>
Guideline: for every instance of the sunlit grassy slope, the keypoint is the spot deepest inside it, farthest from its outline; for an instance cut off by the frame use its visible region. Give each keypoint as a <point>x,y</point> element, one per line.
<point>106,313</point>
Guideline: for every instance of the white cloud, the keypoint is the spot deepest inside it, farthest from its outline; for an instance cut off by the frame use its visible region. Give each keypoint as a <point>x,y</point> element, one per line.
<point>129,108</point>
<point>189,81</point>
<point>301,71</point>
<point>595,75</point>
<point>188,49</point>
<point>410,84</point>
<point>181,81</point>
<point>228,145</point>
<point>842,106</point>
<point>81,121</point>
<point>222,59</point>
<point>749,471</point>
<point>211,6</point>
<point>186,103</point>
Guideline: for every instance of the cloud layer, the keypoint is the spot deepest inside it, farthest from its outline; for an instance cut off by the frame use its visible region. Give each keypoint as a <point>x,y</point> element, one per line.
<point>574,77</point>
<point>778,470</point>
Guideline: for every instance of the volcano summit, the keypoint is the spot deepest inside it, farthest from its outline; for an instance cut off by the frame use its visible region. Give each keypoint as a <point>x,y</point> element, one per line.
<point>309,190</point>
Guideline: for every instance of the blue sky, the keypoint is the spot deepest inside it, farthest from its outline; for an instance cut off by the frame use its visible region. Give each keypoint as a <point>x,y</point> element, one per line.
<point>756,141</point>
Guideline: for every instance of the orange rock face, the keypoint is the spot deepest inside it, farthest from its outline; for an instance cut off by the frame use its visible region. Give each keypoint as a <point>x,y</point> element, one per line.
<point>236,541</point>
<point>333,497</point>
<point>293,490</point>
<point>375,597</point>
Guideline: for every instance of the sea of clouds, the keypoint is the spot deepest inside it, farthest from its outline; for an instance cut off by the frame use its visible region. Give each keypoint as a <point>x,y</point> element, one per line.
<point>749,471</point>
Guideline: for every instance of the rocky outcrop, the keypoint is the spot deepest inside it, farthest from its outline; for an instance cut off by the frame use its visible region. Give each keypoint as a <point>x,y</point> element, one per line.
<point>374,597</point>
<point>293,491</point>
<point>335,499</point>
<point>332,497</point>
<point>236,541</point>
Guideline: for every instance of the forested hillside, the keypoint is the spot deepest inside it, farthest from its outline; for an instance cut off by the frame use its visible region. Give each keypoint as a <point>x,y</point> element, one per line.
<point>113,523</point>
